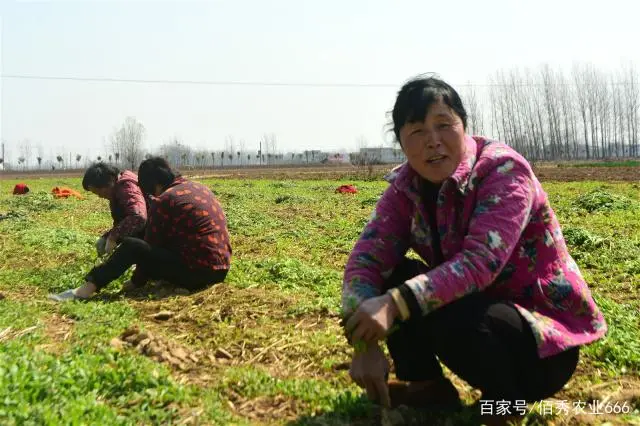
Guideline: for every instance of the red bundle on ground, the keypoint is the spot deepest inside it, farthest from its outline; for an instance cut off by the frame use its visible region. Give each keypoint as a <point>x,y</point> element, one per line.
<point>346,189</point>
<point>20,189</point>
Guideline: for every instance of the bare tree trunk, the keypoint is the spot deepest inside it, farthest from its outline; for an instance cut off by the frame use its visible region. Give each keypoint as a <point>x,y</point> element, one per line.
<point>603,106</point>
<point>547,89</point>
<point>581,95</point>
<point>494,97</point>
<point>568,117</point>
<point>615,102</point>
<point>632,104</point>
<point>475,118</point>
<point>514,94</point>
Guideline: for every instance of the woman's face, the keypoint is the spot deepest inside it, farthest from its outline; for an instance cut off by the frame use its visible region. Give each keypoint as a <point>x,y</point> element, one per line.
<point>435,147</point>
<point>105,193</point>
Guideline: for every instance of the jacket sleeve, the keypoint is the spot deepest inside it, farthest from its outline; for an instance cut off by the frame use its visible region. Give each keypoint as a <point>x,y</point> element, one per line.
<point>504,201</point>
<point>130,197</point>
<point>381,246</point>
<point>158,220</point>
<point>153,234</point>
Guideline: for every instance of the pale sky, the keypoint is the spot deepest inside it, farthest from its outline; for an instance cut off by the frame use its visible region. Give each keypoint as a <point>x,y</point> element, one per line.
<point>326,42</point>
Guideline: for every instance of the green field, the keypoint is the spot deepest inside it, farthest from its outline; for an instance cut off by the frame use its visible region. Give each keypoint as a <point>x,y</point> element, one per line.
<point>613,163</point>
<point>265,346</point>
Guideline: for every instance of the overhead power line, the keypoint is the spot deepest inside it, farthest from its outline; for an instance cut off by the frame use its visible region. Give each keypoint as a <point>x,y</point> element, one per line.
<point>195,82</point>
<point>272,83</point>
<point>224,82</point>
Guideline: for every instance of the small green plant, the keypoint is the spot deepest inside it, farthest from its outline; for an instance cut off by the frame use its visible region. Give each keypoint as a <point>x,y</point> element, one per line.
<point>599,200</point>
<point>580,237</point>
<point>36,202</point>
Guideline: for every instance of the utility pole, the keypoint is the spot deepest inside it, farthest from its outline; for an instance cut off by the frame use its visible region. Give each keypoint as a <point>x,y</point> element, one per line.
<point>3,159</point>
<point>259,152</point>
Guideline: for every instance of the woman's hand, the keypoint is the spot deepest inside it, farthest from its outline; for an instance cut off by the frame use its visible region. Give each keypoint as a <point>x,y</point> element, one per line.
<point>370,369</point>
<point>372,320</point>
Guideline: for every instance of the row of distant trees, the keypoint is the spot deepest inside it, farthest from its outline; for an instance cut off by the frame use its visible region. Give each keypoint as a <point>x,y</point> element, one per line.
<point>548,114</point>
<point>126,145</point>
<point>544,113</point>
<point>237,154</point>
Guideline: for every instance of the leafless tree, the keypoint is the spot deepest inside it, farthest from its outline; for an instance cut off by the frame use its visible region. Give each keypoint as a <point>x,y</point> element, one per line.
<point>129,141</point>
<point>566,94</point>
<point>176,152</point>
<point>243,147</point>
<point>582,88</point>
<point>603,106</point>
<point>475,116</point>
<point>39,158</point>
<point>25,150</point>
<point>269,145</point>
<point>590,77</point>
<point>230,147</point>
<point>549,94</point>
<point>631,107</point>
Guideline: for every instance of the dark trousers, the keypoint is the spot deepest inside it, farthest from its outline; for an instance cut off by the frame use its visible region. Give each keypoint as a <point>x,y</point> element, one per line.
<point>485,342</point>
<point>155,263</point>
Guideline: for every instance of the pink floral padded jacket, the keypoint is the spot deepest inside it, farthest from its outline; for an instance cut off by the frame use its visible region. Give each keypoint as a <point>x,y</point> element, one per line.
<point>498,234</point>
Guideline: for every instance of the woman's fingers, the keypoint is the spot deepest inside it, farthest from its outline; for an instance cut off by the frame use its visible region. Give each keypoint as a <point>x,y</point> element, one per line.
<point>364,332</point>
<point>353,322</point>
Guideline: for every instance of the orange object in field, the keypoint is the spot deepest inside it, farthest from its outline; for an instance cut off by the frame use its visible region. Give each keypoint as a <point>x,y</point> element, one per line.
<point>62,192</point>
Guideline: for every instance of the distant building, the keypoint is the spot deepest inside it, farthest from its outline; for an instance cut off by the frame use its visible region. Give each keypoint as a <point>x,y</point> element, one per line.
<point>339,158</point>
<point>380,155</point>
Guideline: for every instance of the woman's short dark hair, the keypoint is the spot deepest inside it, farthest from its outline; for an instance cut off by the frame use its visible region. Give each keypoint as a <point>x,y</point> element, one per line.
<point>155,171</point>
<point>418,95</point>
<point>100,175</point>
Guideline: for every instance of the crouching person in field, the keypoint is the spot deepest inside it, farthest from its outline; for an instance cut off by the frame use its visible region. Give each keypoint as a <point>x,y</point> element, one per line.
<point>500,301</point>
<point>186,241</point>
<point>126,203</point>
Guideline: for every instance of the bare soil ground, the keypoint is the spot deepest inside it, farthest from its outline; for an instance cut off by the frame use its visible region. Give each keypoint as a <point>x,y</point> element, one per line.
<point>545,172</point>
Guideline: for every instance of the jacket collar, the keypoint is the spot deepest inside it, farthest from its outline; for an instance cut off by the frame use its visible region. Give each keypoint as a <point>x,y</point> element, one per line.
<point>405,178</point>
